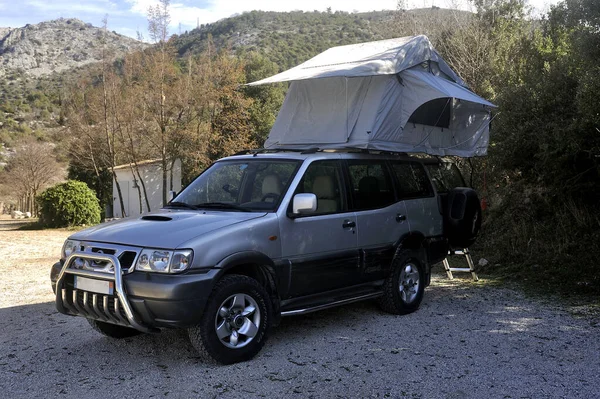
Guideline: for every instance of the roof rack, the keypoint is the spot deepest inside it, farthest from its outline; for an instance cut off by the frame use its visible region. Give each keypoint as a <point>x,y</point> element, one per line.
<point>255,152</point>
<point>313,150</point>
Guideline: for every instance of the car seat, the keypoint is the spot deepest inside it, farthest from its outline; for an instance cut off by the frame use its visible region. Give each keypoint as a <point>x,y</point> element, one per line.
<point>271,188</point>
<point>368,192</point>
<point>324,189</point>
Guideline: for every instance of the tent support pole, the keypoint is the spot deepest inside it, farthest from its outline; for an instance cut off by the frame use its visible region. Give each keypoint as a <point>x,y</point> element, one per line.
<point>347,132</point>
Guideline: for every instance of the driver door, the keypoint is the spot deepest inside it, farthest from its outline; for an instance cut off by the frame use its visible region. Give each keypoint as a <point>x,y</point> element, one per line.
<point>322,246</point>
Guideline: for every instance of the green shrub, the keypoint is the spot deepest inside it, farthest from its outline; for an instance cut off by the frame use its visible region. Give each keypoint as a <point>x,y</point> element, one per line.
<point>68,204</point>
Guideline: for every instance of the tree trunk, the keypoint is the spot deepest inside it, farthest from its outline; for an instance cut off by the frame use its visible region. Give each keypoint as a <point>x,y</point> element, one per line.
<point>123,214</point>
<point>165,176</point>
<point>137,187</point>
<point>141,180</point>
<point>171,175</point>
<point>34,207</point>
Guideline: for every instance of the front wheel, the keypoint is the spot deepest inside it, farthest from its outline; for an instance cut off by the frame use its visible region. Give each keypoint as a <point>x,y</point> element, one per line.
<point>403,289</point>
<point>236,321</point>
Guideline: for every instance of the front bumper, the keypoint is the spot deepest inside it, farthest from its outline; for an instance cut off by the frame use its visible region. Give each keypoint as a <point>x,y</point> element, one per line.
<point>141,300</point>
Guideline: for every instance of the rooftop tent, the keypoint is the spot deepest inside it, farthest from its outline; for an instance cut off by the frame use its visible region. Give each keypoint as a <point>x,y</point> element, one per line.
<point>392,95</point>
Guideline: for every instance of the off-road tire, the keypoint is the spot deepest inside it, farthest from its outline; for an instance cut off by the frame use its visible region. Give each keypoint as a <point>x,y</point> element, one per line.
<point>391,301</point>
<point>204,337</point>
<point>113,330</point>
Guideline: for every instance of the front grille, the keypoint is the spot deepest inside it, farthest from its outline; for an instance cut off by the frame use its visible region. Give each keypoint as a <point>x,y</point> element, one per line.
<point>126,259</point>
<point>126,256</point>
<point>101,307</point>
<point>107,251</point>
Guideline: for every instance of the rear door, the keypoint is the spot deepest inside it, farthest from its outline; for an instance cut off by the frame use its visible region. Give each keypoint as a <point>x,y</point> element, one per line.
<point>381,217</point>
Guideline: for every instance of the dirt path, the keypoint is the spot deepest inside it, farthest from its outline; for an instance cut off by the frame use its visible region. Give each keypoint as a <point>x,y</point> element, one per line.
<point>467,341</point>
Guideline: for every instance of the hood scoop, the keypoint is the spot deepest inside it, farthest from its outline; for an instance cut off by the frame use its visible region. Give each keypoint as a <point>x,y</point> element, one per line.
<point>157,218</point>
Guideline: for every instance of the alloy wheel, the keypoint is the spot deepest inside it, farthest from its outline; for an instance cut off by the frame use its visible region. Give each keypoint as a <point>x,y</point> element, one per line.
<point>238,320</point>
<point>409,282</point>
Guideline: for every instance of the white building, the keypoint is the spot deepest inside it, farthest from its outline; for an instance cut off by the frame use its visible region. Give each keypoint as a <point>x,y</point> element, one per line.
<point>131,188</point>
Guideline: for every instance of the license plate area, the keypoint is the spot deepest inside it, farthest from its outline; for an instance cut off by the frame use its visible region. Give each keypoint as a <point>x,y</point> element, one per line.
<point>93,285</point>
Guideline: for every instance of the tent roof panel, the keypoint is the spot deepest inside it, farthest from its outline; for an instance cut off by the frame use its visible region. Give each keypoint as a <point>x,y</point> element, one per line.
<point>383,57</point>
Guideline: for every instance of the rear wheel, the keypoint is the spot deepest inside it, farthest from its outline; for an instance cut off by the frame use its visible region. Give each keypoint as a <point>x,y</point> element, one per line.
<point>113,330</point>
<point>236,321</point>
<point>403,289</point>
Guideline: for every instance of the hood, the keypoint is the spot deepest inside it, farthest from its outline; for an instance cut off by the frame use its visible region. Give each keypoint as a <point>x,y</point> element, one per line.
<point>164,229</point>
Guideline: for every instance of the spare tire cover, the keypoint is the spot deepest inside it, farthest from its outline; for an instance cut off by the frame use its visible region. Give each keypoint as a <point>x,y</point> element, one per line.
<point>462,219</point>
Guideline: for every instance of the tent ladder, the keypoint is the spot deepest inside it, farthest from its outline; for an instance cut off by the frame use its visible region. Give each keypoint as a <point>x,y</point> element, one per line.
<point>471,269</point>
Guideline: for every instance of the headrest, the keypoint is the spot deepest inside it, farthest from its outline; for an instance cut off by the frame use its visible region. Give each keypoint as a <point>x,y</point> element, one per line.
<point>368,184</point>
<point>271,185</point>
<point>323,187</point>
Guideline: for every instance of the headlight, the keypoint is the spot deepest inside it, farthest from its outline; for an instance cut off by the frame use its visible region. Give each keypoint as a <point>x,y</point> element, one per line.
<point>181,260</point>
<point>68,248</point>
<point>161,261</point>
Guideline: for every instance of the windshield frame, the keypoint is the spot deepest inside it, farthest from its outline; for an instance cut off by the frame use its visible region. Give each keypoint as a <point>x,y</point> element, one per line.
<point>297,162</point>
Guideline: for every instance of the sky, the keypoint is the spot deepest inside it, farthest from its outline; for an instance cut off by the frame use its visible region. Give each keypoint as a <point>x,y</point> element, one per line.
<point>129,16</point>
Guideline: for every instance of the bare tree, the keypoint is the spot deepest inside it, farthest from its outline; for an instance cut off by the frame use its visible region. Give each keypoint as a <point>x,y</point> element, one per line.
<point>167,93</point>
<point>29,171</point>
<point>124,93</point>
<point>108,120</point>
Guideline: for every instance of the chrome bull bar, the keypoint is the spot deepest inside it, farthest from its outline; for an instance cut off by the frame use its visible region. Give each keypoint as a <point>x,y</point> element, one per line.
<point>63,305</point>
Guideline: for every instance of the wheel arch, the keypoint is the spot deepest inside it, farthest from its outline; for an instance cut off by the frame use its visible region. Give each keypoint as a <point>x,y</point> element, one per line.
<point>255,265</point>
<point>414,240</point>
<point>417,242</point>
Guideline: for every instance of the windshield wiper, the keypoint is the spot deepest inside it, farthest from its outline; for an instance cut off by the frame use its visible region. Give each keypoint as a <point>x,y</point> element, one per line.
<point>177,204</point>
<point>222,205</point>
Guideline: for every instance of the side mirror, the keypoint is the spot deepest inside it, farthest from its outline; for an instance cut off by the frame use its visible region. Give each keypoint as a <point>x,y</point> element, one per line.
<point>304,204</point>
<point>172,195</point>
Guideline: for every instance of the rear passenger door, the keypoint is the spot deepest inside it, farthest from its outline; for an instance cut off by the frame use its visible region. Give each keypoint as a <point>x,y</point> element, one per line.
<point>381,218</point>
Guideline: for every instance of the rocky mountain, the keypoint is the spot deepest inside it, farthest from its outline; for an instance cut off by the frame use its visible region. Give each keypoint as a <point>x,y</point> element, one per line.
<point>58,45</point>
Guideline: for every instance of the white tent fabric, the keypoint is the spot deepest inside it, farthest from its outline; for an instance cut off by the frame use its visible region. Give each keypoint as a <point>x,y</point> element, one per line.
<point>416,106</point>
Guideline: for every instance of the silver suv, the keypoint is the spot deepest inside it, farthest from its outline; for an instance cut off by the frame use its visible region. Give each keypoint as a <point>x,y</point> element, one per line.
<point>267,234</point>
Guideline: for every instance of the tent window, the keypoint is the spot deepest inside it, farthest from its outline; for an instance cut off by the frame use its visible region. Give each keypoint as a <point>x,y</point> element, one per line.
<point>433,113</point>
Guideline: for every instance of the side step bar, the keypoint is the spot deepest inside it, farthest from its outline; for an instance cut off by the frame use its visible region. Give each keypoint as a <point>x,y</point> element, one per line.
<point>296,312</point>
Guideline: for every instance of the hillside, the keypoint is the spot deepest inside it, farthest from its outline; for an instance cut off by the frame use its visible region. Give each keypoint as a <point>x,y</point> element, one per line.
<point>36,61</point>
<point>289,38</point>
<point>58,45</point>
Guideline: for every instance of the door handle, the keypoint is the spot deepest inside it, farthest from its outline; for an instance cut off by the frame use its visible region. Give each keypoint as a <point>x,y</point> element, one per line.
<point>348,224</point>
<point>400,218</point>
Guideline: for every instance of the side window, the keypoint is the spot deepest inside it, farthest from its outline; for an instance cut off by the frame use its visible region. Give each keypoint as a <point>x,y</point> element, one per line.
<point>371,184</point>
<point>324,179</point>
<point>270,181</point>
<point>445,176</point>
<point>412,180</point>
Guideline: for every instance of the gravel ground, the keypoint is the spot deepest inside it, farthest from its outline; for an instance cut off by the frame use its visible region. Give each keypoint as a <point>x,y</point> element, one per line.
<point>468,340</point>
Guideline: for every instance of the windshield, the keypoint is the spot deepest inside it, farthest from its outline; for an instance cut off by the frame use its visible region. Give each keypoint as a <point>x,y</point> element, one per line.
<point>244,185</point>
